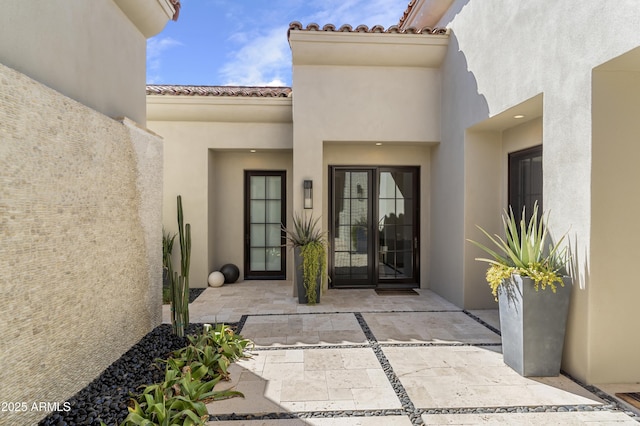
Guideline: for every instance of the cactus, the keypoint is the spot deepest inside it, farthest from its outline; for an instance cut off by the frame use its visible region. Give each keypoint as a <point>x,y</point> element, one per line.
<point>180,283</point>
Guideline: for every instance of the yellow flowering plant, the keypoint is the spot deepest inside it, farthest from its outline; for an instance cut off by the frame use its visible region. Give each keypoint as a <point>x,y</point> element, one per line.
<point>312,242</point>
<point>522,252</point>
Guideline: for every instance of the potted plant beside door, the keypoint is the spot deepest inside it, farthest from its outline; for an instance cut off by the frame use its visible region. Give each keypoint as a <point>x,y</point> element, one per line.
<point>528,278</point>
<point>310,250</point>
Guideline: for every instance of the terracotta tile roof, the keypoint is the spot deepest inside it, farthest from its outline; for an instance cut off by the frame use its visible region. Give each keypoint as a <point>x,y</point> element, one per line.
<point>394,29</point>
<point>406,13</point>
<point>238,91</point>
<point>176,5</point>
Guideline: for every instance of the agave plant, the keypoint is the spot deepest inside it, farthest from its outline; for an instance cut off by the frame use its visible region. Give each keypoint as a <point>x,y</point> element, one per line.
<point>307,236</point>
<point>191,374</point>
<point>523,252</point>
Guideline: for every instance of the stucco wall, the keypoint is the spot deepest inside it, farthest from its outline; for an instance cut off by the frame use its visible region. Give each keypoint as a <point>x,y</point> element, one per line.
<point>524,49</point>
<point>359,104</point>
<point>80,249</point>
<point>189,170</point>
<point>78,48</point>
<point>615,291</point>
<point>227,197</point>
<point>486,192</point>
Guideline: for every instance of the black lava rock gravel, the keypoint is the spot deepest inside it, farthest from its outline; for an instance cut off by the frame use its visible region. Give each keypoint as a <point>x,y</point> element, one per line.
<point>106,398</point>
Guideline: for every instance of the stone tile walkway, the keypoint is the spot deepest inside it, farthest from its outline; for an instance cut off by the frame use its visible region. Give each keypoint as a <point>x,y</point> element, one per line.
<point>362,359</point>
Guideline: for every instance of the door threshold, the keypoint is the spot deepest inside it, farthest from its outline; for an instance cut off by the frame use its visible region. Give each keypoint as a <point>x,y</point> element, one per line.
<point>396,292</point>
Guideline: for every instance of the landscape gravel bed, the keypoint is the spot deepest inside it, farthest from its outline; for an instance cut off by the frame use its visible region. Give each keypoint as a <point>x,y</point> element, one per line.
<point>106,398</point>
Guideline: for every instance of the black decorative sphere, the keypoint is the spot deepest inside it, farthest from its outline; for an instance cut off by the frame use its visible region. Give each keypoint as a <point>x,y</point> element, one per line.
<point>231,273</point>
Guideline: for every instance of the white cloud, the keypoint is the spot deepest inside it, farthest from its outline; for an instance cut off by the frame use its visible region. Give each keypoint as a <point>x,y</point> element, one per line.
<point>356,12</point>
<point>156,47</point>
<point>263,56</point>
<point>263,60</point>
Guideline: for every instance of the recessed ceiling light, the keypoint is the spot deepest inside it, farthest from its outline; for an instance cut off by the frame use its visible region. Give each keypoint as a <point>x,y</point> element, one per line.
<point>253,150</point>
<point>378,143</point>
<point>518,116</point>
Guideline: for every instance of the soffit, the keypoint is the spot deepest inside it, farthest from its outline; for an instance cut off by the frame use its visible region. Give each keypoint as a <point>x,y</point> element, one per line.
<point>150,16</point>
<point>629,61</point>
<point>420,13</point>
<point>531,109</point>
<point>230,109</point>
<point>367,47</point>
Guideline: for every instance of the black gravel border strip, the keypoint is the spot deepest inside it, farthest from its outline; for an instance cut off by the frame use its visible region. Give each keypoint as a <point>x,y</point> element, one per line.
<point>351,313</point>
<point>435,344</point>
<point>476,318</point>
<point>599,393</point>
<point>368,345</point>
<point>418,412</point>
<point>240,324</point>
<point>307,415</point>
<point>194,293</point>
<point>612,402</point>
<point>518,409</point>
<point>407,405</point>
<point>289,348</point>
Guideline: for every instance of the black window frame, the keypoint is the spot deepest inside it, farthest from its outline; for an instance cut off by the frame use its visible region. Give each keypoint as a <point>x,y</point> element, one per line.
<point>520,196</point>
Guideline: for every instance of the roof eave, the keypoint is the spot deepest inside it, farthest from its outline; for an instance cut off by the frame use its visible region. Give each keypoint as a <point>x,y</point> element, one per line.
<point>150,16</point>
<point>229,109</point>
<point>368,49</point>
<point>421,13</point>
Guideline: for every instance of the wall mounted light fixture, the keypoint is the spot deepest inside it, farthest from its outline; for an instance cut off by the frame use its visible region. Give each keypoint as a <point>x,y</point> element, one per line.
<point>308,194</point>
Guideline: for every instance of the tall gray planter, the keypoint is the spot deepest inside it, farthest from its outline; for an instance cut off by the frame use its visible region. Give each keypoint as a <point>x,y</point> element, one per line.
<point>299,278</point>
<point>533,325</point>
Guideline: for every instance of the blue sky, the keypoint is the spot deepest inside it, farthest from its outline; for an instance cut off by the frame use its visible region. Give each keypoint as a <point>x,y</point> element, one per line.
<point>244,42</point>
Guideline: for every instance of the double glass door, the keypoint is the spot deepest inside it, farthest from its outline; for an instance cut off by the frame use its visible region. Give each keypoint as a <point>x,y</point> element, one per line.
<point>374,227</point>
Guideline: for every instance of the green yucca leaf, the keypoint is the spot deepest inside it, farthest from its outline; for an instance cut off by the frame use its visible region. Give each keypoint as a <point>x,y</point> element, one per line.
<point>522,251</point>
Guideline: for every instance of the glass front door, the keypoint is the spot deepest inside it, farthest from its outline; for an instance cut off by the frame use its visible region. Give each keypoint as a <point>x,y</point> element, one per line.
<point>352,208</point>
<point>265,207</point>
<point>374,227</point>
<point>397,238</point>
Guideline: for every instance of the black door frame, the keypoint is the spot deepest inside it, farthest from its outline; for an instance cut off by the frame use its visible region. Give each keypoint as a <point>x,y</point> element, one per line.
<point>264,275</point>
<point>373,249</point>
<point>518,195</point>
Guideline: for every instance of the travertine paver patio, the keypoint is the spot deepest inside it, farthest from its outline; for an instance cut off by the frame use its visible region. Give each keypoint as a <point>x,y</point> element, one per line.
<point>296,330</point>
<point>362,359</point>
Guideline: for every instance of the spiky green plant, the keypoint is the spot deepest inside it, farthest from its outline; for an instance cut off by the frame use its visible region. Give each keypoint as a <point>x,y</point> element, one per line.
<point>189,382</point>
<point>309,238</point>
<point>167,248</point>
<point>167,266</point>
<point>180,283</point>
<point>522,252</point>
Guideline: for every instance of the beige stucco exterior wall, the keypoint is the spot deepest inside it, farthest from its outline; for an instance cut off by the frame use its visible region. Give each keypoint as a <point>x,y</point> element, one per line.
<point>80,249</point>
<point>346,104</point>
<point>614,292</point>
<point>78,48</point>
<point>195,146</point>
<point>226,218</point>
<point>527,49</point>
<point>486,191</point>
